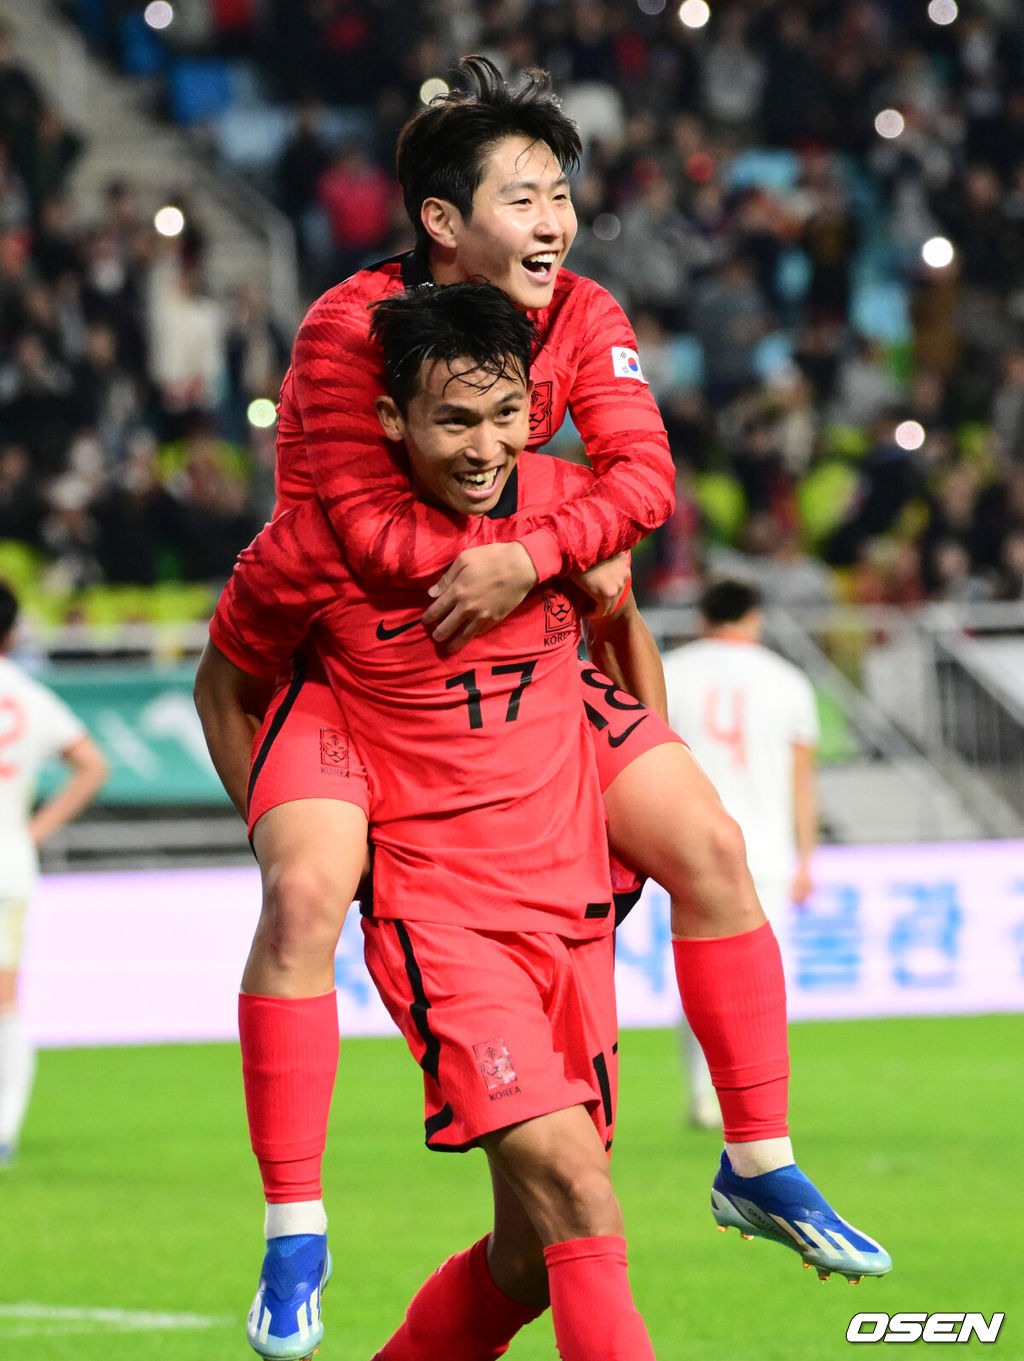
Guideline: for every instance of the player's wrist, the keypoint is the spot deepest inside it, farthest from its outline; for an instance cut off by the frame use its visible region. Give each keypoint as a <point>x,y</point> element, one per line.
<point>543,551</point>
<point>530,575</point>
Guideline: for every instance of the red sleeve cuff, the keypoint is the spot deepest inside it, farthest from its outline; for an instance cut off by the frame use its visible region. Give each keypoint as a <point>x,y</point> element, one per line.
<point>544,552</point>
<point>246,661</point>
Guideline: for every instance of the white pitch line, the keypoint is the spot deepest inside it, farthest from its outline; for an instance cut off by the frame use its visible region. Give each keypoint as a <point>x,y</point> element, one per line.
<point>43,1320</point>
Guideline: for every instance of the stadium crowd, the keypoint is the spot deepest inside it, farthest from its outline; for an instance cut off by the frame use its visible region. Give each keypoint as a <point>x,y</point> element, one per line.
<point>812,210</point>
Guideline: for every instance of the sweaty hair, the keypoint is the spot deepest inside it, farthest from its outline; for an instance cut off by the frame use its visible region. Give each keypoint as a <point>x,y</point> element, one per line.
<point>474,322</point>
<point>727,601</point>
<point>8,609</point>
<point>443,149</point>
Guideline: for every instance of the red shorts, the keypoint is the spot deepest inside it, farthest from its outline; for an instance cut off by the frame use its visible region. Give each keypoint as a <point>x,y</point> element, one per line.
<point>506,1026</point>
<point>621,727</point>
<point>302,750</point>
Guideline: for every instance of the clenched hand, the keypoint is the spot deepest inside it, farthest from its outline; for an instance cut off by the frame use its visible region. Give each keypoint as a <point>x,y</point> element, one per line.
<point>479,589</point>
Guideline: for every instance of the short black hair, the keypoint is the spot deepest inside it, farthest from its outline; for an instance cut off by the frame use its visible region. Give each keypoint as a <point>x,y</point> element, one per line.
<point>727,601</point>
<point>442,150</point>
<point>8,609</point>
<point>458,321</point>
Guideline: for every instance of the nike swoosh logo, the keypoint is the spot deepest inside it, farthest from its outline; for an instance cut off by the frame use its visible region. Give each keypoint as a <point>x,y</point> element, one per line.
<point>385,633</point>
<point>618,741</point>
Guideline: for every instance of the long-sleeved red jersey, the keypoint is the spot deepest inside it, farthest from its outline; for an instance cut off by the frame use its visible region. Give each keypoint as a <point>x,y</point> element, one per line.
<point>330,443</point>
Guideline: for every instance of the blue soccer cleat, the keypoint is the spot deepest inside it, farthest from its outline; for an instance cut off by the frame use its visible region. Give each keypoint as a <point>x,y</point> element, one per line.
<point>284,1322</point>
<point>784,1207</point>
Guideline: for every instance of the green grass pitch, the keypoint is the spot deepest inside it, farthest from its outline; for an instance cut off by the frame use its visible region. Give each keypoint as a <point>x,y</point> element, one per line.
<point>136,1194</point>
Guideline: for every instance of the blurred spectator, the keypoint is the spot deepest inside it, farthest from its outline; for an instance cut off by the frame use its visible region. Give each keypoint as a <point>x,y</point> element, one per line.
<point>15,207</point>
<point>948,574</point>
<point>137,519</point>
<point>113,291</point>
<point>1009,584</point>
<point>209,480</point>
<point>256,358</point>
<point>889,477</point>
<point>659,249</point>
<point>109,399</point>
<point>20,101</point>
<point>186,336</point>
<point>21,503</point>
<point>732,72</point>
<point>302,161</point>
<point>729,316</point>
<point>887,572</point>
<point>865,385</point>
<point>1007,410</point>
<point>55,244</point>
<point>796,97</point>
<point>71,537</point>
<point>358,198</point>
<point>36,399</point>
<point>828,239</point>
<point>49,151</point>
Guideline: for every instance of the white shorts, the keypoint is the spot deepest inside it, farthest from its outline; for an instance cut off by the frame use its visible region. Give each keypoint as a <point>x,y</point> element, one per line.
<point>12,931</point>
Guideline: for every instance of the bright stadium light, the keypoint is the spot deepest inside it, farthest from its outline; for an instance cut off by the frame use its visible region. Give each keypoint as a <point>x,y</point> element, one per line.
<point>937,252</point>
<point>889,123</point>
<point>158,14</point>
<point>430,89</point>
<point>261,413</point>
<point>695,13</point>
<point>942,11</point>
<point>607,226</point>
<point>650,6</point>
<point>909,434</point>
<point>169,221</point>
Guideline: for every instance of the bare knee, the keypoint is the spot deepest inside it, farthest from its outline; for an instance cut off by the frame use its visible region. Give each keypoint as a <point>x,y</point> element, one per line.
<point>292,952</point>
<point>583,1197</point>
<point>723,848</point>
<point>304,904</point>
<point>711,888</point>
<point>566,1196</point>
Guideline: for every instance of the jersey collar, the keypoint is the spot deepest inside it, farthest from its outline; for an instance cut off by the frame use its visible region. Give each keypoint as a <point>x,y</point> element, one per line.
<point>415,268</point>
<point>508,502</point>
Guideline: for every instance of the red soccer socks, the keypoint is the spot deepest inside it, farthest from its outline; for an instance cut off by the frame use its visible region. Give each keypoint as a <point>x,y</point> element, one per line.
<point>592,1305</point>
<point>458,1314</point>
<point>734,996</point>
<point>289,1063</point>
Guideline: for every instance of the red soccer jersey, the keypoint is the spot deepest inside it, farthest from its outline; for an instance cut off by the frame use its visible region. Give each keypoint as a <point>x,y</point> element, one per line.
<point>330,444</point>
<point>486,810</point>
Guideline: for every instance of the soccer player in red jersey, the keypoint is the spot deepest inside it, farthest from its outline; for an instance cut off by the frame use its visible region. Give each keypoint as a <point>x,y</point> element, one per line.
<point>484,177</point>
<point>490,935</point>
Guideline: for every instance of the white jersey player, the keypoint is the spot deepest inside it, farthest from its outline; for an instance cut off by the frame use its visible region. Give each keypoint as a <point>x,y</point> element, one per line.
<point>751,721</point>
<point>35,727</point>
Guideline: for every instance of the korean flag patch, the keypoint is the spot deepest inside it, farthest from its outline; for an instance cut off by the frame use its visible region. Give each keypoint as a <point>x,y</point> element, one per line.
<point>626,364</point>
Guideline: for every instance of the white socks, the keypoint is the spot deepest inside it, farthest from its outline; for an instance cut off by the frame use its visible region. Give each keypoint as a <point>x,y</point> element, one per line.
<point>760,1155</point>
<point>17,1070</point>
<point>297,1216</point>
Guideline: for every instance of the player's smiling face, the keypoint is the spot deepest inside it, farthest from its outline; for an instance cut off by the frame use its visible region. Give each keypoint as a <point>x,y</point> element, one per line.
<point>463,431</point>
<point>521,227</point>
